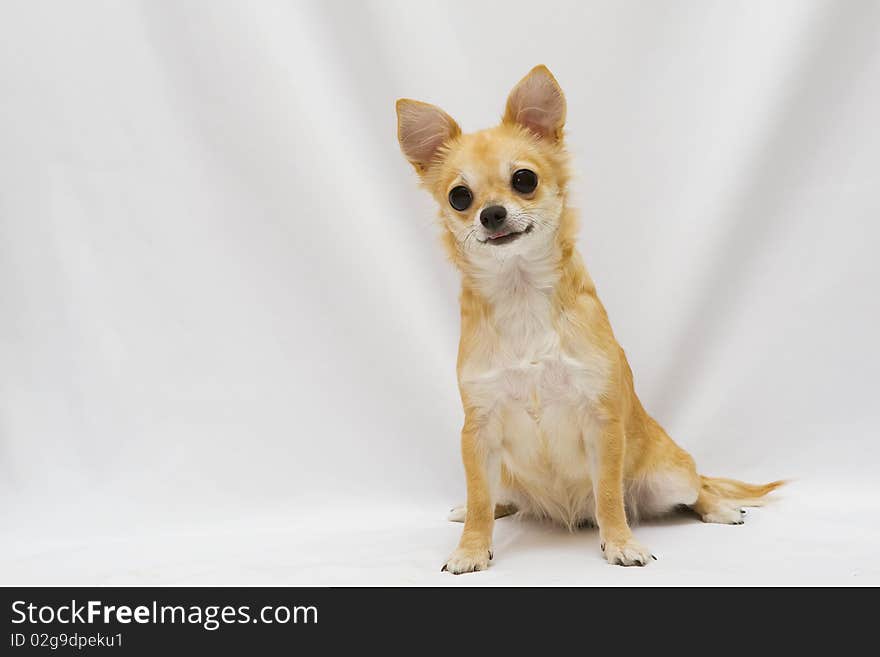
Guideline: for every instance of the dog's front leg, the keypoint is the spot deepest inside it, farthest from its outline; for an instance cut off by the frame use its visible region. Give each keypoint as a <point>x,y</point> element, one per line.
<point>617,540</point>
<point>482,468</point>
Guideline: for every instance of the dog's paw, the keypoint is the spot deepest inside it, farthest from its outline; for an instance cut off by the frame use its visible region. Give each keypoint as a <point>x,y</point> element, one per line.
<point>725,515</point>
<point>467,560</point>
<point>457,514</point>
<point>629,553</point>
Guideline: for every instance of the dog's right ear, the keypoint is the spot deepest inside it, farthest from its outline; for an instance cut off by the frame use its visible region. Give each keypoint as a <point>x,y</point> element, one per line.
<point>421,130</point>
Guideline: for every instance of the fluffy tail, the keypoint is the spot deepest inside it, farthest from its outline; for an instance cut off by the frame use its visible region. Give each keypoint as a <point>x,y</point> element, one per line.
<point>738,492</point>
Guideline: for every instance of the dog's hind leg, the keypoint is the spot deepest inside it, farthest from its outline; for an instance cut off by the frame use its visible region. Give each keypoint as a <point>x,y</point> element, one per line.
<point>670,479</point>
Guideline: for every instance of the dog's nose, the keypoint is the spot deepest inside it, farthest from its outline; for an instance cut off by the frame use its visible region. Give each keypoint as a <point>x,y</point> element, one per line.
<point>493,216</point>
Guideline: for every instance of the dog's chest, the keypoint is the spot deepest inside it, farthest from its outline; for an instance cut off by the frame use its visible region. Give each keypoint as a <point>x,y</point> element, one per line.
<point>523,366</point>
<point>535,398</point>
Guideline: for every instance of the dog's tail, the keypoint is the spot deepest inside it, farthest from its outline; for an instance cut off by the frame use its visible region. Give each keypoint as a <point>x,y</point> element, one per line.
<point>738,493</point>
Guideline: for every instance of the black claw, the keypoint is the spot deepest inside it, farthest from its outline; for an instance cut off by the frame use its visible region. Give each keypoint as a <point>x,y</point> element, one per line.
<point>443,569</point>
<point>491,555</point>
<point>477,569</point>
<point>654,557</point>
<point>742,511</point>
<point>602,547</point>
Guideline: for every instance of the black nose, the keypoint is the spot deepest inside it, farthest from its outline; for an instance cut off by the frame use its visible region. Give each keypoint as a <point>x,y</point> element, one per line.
<point>493,216</point>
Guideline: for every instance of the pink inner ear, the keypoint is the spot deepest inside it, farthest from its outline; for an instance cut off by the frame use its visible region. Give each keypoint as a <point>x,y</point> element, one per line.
<point>537,104</point>
<point>536,119</point>
<point>423,129</point>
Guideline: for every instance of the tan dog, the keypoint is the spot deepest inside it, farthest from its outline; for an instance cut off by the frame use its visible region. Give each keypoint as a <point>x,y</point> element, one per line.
<point>552,424</point>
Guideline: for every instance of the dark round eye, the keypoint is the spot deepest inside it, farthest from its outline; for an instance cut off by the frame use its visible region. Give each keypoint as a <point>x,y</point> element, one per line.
<point>460,198</point>
<point>524,181</point>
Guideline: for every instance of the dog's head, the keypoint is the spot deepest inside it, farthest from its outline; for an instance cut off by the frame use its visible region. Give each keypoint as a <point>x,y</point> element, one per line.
<point>501,190</point>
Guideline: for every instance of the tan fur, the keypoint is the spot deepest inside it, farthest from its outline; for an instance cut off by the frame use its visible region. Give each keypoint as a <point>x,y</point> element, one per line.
<point>552,422</point>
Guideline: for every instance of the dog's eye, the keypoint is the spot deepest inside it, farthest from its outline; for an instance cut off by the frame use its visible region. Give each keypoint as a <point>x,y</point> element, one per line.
<point>524,181</point>
<point>460,198</point>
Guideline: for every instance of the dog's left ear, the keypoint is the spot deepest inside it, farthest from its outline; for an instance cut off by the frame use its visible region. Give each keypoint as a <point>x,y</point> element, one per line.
<point>537,103</point>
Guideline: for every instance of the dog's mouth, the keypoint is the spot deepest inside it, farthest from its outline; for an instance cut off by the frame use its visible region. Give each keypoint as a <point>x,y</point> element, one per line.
<point>506,237</point>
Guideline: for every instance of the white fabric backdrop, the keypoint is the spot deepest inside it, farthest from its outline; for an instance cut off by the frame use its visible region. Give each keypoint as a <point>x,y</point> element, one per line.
<point>228,332</point>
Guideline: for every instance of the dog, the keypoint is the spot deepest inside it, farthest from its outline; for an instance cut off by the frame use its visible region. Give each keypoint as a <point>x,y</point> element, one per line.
<point>552,424</point>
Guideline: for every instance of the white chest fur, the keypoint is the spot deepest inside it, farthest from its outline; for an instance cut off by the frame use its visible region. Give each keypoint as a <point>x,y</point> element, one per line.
<point>534,401</point>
